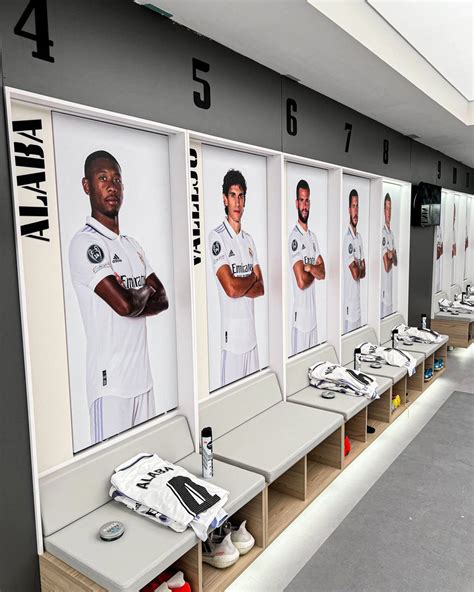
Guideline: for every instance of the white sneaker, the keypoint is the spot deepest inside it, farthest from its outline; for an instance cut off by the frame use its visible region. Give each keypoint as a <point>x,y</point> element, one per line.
<point>219,552</point>
<point>241,538</point>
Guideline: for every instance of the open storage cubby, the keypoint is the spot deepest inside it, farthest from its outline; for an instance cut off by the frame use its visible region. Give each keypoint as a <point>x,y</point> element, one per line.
<point>416,383</point>
<point>303,482</point>
<point>356,429</point>
<point>255,512</point>
<point>378,414</point>
<point>399,388</point>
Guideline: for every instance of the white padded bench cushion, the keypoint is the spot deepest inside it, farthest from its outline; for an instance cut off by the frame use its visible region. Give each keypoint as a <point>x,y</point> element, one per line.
<point>393,372</point>
<point>351,340</point>
<point>297,369</point>
<point>146,548</point>
<point>425,348</point>
<point>346,405</point>
<point>80,488</point>
<point>238,404</point>
<point>276,439</point>
<point>454,291</point>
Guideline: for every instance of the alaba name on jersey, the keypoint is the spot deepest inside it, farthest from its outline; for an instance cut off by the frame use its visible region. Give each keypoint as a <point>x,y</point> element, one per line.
<point>352,250</point>
<point>117,361</point>
<point>171,491</point>
<point>303,246</point>
<point>238,251</point>
<point>388,244</point>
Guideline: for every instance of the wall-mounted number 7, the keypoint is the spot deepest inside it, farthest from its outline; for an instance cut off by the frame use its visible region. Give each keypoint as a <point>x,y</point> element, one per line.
<point>41,35</point>
<point>203,101</point>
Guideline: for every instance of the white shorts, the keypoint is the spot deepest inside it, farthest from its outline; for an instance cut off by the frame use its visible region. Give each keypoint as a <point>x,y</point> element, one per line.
<point>386,309</point>
<point>303,340</point>
<point>111,415</point>
<point>235,366</point>
<point>351,325</point>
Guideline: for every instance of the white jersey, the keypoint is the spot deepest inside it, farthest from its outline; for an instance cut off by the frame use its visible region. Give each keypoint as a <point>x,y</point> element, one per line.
<point>418,335</point>
<point>117,361</point>
<point>335,377</point>
<point>237,314</point>
<point>387,355</point>
<point>388,244</point>
<point>439,244</point>
<point>168,494</point>
<point>453,264</point>
<point>303,246</point>
<point>352,250</point>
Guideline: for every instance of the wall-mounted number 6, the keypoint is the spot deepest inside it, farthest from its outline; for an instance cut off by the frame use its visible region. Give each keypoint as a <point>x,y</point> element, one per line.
<point>41,35</point>
<point>201,100</point>
<point>291,121</point>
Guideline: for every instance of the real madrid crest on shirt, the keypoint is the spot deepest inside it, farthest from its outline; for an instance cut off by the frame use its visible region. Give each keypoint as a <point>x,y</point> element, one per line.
<point>216,248</point>
<point>95,254</point>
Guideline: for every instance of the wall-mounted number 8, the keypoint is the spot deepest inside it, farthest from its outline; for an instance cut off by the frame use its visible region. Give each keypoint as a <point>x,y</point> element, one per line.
<point>386,146</point>
<point>203,101</point>
<point>291,122</point>
<point>41,34</point>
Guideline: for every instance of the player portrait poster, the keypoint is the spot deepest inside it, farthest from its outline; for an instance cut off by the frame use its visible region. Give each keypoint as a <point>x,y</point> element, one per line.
<point>391,199</point>
<point>235,212</point>
<point>467,238</point>
<point>306,196</point>
<point>355,248</point>
<point>454,238</point>
<point>440,233</point>
<point>114,323</point>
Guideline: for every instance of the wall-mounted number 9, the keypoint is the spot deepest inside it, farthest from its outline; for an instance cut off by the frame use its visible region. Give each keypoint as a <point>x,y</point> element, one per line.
<point>201,100</point>
<point>291,121</point>
<point>41,35</point>
<point>386,146</point>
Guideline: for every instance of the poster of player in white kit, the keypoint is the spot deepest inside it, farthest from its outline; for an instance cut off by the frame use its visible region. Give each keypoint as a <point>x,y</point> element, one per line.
<point>467,242</point>
<point>454,237</point>
<point>355,232</point>
<point>306,195</point>
<point>117,257</point>
<point>389,249</point>
<point>439,245</point>
<point>235,211</point>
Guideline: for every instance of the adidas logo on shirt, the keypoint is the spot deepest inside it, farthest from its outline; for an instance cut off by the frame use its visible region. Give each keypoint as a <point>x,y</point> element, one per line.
<point>116,259</point>
<point>303,247</point>
<point>231,253</point>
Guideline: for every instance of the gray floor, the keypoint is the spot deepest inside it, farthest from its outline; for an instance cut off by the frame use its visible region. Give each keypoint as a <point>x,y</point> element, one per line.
<point>413,530</point>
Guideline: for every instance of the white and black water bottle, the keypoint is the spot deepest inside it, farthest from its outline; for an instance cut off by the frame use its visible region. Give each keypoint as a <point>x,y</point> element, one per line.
<point>206,453</point>
<point>423,321</point>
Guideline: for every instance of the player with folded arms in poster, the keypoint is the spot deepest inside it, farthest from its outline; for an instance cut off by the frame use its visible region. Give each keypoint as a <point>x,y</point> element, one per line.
<point>453,248</point>
<point>354,267</point>
<point>307,265</point>
<point>116,289</point>
<point>389,258</point>
<point>239,282</point>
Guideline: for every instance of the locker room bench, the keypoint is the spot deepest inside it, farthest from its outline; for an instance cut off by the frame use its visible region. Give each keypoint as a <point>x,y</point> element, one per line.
<point>298,450</point>
<point>459,328</point>
<point>429,350</point>
<point>356,411</point>
<point>397,375</point>
<point>75,503</point>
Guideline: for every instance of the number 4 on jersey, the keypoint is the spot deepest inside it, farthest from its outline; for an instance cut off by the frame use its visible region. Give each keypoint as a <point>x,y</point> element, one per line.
<point>41,35</point>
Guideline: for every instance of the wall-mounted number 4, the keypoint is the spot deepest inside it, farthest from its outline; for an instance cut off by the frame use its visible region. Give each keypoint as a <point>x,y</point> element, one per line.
<point>201,100</point>
<point>41,34</point>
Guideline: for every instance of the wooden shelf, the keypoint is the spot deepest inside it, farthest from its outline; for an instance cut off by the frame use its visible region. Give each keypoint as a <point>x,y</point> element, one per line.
<point>216,580</point>
<point>380,427</point>
<point>282,510</point>
<point>319,477</point>
<point>356,448</point>
<point>398,411</point>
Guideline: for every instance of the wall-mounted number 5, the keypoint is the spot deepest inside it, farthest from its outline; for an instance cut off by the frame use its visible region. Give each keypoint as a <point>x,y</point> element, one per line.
<point>291,121</point>
<point>386,146</point>
<point>41,35</point>
<point>201,100</point>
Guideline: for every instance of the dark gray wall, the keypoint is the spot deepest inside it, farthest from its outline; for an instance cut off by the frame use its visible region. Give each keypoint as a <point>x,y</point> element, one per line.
<point>115,55</point>
<point>18,558</point>
<point>421,273</point>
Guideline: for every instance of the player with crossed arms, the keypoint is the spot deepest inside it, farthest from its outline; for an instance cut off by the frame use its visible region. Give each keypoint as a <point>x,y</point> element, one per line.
<point>307,265</point>
<point>239,282</point>
<point>116,289</point>
<point>389,259</point>
<point>354,267</point>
